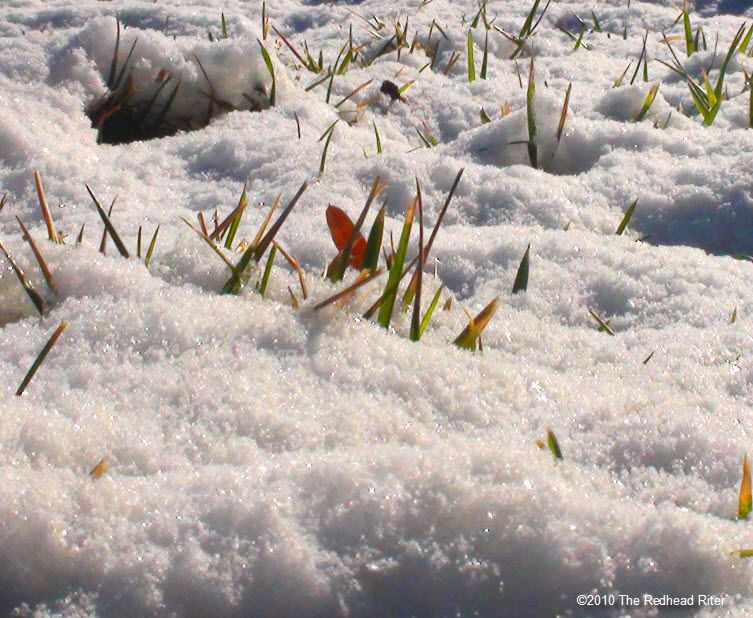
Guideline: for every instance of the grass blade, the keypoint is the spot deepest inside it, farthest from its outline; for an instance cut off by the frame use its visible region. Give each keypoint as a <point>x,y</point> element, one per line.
<point>271,69</point>
<point>326,147</point>
<point>40,258</point>
<point>360,281</point>
<point>468,338</point>
<point>269,237</point>
<point>150,250</point>
<point>33,295</point>
<point>648,101</point>
<point>485,59</point>
<point>626,218</point>
<point>471,64</point>
<point>531,114</point>
<point>388,303</point>
<point>51,232</point>
<point>430,311</point>
<point>745,502</point>
<point>415,325</point>
<point>108,224</point>
<point>268,270</point>
<point>374,243</point>
<point>554,446</point>
<point>521,278</point>
<point>603,325</point>
<point>295,264</point>
<point>40,358</point>
<point>236,220</point>
<point>347,249</point>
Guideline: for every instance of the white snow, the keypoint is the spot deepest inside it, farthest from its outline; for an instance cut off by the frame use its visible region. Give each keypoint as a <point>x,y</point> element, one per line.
<point>265,461</point>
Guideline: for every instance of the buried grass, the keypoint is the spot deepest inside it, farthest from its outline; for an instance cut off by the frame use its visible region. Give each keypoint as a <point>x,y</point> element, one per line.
<point>132,111</point>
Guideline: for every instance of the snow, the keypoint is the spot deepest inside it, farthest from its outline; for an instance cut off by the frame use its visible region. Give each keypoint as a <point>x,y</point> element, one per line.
<point>268,461</point>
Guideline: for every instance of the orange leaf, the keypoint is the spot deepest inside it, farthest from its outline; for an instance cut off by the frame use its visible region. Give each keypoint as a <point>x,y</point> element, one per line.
<point>341,228</point>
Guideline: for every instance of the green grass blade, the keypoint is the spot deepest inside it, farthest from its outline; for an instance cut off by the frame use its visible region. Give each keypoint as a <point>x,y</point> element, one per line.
<point>374,243</point>
<point>485,59</point>
<point>326,147</point>
<point>342,263</point>
<point>471,64</point>
<point>388,303</point>
<point>267,270</point>
<point>43,266</point>
<point>108,224</point>
<point>626,218</point>
<point>430,311</point>
<point>378,140</point>
<point>521,277</point>
<point>271,69</point>
<point>236,221</point>
<point>415,324</point>
<point>689,43</point>
<point>33,295</point>
<point>468,338</point>
<point>150,250</point>
<point>531,116</point>
<point>40,358</point>
<point>648,101</point>
<point>745,502</point>
<point>554,446</point>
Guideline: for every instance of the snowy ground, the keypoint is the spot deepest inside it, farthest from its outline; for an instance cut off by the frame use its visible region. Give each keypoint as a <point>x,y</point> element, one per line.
<point>266,461</point>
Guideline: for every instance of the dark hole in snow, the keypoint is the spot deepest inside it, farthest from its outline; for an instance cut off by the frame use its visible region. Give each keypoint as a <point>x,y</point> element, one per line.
<point>126,114</point>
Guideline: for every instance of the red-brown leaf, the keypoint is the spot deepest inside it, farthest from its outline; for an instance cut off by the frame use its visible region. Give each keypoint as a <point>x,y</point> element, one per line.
<point>341,228</point>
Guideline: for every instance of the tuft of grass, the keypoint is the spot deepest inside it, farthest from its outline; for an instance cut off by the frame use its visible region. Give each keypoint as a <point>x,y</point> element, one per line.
<point>521,277</point>
<point>256,251</point>
<point>361,280</point>
<point>745,501</point>
<point>706,98</point>
<point>626,218</point>
<point>40,357</point>
<point>389,289</point>
<point>33,295</point>
<point>469,337</point>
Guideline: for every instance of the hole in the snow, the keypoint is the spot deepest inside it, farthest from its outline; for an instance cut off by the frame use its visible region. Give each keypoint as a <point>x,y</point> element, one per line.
<point>145,100</point>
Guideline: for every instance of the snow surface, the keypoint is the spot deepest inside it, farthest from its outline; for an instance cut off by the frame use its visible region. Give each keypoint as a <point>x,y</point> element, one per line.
<point>272,462</point>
